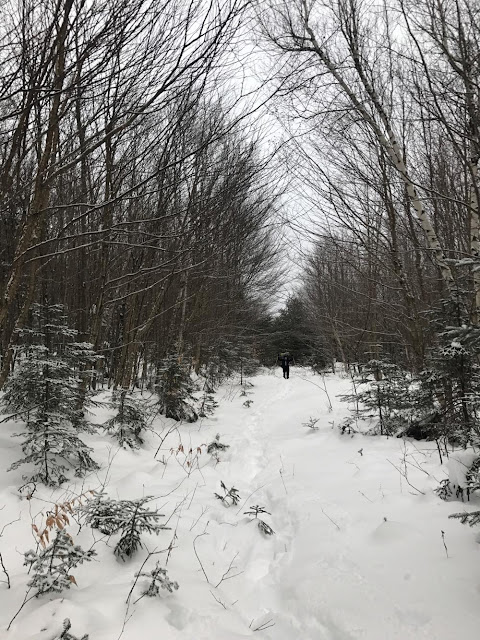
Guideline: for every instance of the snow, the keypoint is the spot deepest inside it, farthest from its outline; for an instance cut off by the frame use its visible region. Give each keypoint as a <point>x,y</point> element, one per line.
<point>357,551</point>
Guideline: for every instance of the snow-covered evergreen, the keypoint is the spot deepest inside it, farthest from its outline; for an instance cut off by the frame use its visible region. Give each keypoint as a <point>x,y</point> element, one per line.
<point>51,567</point>
<point>130,518</point>
<point>175,389</point>
<point>46,393</point>
<point>66,635</point>
<point>157,579</point>
<point>129,422</point>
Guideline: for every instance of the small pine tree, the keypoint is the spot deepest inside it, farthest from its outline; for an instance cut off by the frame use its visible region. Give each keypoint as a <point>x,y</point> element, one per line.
<point>383,392</point>
<point>222,362</point>
<point>129,422</point>
<point>261,524</point>
<point>45,392</point>
<point>215,446</point>
<point>208,403</point>
<point>226,358</point>
<point>447,393</point>
<point>66,635</point>
<point>175,389</point>
<point>158,580</point>
<point>230,496</point>
<point>471,518</point>
<point>128,517</point>
<point>51,567</point>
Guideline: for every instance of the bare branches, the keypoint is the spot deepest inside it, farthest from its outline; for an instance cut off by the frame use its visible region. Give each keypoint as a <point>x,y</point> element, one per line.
<point>404,475</point>
<point>226,575</point>
<point>116,154</point>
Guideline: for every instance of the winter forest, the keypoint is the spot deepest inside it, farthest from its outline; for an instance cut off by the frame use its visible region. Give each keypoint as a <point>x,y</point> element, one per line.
<point>192,192</point>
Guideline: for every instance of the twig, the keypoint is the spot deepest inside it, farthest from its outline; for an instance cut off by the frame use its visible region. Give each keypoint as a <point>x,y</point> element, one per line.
<point>193,495</point>
<point>217,599</point>
<point>327,516</point>
<point>366,497</point>
<point>8,524</point>
<point>230,568</point>
<point>178,506</point>
<point>265,625</point>
<point>404,475</point>
<point>162,440</point>
<point>150,554</point>
<point>5,571</point>
<point>281,471</point>
<point>171,546</point>
<point>417,466</point>
<point>330,407</point>
<point>195,550</point>
<point>25,600</point>
<point>203,512</point>
<point>444,544</point>
<point>248,497</point>
<point>126,619</point>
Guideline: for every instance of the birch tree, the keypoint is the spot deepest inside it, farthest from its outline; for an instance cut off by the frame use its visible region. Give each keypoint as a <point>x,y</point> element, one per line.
<point>330,43</point>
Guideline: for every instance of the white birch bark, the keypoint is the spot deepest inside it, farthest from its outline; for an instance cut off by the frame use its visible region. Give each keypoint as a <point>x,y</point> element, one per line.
<point>475,235</point>
<point>386,137</point>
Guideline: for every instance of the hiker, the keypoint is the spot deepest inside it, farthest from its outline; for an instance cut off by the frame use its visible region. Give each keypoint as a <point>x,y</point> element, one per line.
<point>285,359</point>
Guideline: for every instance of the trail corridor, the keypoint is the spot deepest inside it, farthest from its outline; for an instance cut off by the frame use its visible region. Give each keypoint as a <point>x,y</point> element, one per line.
<point>357,550</point>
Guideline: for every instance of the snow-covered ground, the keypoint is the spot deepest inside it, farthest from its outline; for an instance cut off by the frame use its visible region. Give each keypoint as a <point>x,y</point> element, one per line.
<point>357,551</point>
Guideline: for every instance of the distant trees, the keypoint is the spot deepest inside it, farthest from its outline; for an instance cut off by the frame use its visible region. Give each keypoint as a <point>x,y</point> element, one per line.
<point>383,102</point>
<point>291,330</point>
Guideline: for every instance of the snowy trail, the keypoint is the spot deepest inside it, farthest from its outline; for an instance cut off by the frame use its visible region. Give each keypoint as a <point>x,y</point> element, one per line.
<point>357,552</point>
<point>362,557</point>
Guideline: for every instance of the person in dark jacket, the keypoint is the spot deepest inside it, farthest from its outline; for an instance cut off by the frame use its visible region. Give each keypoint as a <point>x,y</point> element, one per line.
<point>285,359</point>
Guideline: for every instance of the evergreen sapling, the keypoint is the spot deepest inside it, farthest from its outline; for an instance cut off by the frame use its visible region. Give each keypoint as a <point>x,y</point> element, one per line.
<point>471,518</point>
<point>384,394</point>
<point>158,579</point>
<point>230,496</point>
<point>175,389</point>
<point>129,422</point>
<point>311,424</point>
<point>52,566</point>
<point>215,446</point>
<point>66,635</point>
<point>208,404</point>
<point>130,518</point>
<point>447,393</point>
<point>45,391</point>
<point>262,525</point>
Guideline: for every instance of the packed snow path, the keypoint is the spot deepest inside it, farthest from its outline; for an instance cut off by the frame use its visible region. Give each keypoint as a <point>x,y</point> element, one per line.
<point>362,550</point>
<point>357,551</point>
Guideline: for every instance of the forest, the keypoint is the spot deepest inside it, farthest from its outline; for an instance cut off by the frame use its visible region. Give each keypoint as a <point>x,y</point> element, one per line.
<point>189,189</point>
